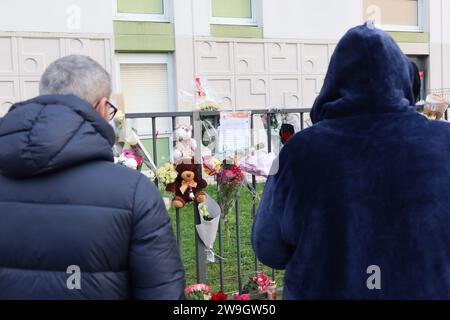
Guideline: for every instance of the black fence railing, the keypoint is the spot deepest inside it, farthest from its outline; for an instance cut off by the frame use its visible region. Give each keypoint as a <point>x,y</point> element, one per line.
<point>228,280</point>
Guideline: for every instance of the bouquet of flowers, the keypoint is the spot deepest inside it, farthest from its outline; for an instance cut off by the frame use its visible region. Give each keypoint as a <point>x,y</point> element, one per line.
<point>209,224</point>
<point>435,107</point>
<point>259,287</point>
<point>243,296</point>
<point>211,165</point>
<point>197,292</point>
<point>129,159</point>
<point>202,292</point>
<point>259,164</point>
<point>129,152</point>
<point>219,296</point>
<point>203,209</point>
<point>167,174</point>
<point>204,100</point>
<point>230,179</point>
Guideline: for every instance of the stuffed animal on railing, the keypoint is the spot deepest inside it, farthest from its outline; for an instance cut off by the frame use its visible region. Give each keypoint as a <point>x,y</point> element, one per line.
<point>188,186</point>
<point>185,145</point>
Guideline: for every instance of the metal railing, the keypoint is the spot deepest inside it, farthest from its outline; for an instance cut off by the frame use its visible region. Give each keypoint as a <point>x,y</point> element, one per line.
<point>200,250</point>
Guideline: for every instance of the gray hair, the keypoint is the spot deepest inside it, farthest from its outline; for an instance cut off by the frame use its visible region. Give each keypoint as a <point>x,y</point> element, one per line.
<point>77,75</point>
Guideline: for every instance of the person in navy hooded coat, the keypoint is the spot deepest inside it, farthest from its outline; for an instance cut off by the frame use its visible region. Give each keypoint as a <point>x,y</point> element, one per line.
<point>73,225</point>
<point>359,206</point>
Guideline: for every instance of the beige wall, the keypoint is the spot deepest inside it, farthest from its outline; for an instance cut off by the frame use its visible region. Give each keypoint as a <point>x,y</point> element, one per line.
<point>287,67</point>
<point>263,73</point>
<point>24,57</point>
<point>439,70</point>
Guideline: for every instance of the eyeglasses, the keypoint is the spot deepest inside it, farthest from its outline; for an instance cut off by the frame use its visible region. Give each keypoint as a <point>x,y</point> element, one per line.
<point>112,110</point>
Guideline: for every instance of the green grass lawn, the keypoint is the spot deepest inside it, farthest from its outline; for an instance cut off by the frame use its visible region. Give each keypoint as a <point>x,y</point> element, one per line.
<point>230,265</point>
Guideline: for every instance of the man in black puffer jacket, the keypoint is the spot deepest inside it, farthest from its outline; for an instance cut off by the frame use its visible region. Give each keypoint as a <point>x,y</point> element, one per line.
<point>73,225</point>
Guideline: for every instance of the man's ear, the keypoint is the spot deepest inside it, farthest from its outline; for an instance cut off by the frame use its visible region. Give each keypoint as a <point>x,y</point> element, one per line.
<point>102,107</point>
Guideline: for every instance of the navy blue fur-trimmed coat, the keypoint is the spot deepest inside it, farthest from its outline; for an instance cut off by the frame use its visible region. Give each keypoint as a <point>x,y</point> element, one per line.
<point>366,185</point>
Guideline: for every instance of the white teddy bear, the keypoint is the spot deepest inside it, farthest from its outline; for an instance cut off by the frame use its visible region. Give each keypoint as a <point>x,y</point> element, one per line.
<point>185,146</point>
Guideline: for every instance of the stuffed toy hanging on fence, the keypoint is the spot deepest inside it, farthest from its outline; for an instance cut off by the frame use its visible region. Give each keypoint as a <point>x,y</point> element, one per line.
<point>186,145</point>
<point>188,186</point>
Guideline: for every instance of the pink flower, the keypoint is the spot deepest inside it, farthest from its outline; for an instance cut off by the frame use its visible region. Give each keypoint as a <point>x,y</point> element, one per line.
<point>231,175</point>
<point>196,288</point>
<point>241,297</point>
<point>128,153</point>
<point>197,292</point>
<point>138,160</point>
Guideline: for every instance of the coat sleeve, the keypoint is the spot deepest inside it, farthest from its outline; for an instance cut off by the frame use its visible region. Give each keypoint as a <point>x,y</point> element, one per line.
<point>267,235</point>
<point>155,267</point>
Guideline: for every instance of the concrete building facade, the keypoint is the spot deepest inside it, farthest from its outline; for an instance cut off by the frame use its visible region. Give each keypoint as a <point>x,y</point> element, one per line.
<point>35,33</point>
<point>251,53</point>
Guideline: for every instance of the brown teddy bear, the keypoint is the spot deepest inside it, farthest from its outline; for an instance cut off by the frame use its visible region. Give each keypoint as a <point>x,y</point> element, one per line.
<point>188,186</point>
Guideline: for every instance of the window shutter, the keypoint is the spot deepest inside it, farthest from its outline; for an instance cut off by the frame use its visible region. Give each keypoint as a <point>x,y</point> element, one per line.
<point>145,89</point>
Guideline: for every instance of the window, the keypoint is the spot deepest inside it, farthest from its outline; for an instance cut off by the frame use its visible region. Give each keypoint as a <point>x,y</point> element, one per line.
<point>236,12</point>
<point>145,87</point>
<point>146,82</point>
<point>395,15</point>
<point>142,10</point>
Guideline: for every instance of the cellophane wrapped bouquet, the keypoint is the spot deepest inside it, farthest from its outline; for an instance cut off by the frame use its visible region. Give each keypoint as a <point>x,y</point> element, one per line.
<point>205,100</point>
<point>201,291</point>
<point>230,179</point>
<point>435,107</point>
<point>258,287</point>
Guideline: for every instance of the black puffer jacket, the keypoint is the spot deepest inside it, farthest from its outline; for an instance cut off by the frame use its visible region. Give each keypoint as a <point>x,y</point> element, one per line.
<point>64,203</point>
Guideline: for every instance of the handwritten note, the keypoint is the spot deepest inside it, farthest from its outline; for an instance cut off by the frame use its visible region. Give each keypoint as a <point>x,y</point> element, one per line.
<point>235,132</point>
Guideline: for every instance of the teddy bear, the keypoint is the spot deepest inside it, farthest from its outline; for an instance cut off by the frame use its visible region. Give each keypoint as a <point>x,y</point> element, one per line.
<point>188,186</point>
<point>185,146</point>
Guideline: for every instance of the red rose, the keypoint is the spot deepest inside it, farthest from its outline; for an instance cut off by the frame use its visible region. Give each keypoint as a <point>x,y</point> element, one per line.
<point>138,160</point>
<point>219,296</point>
